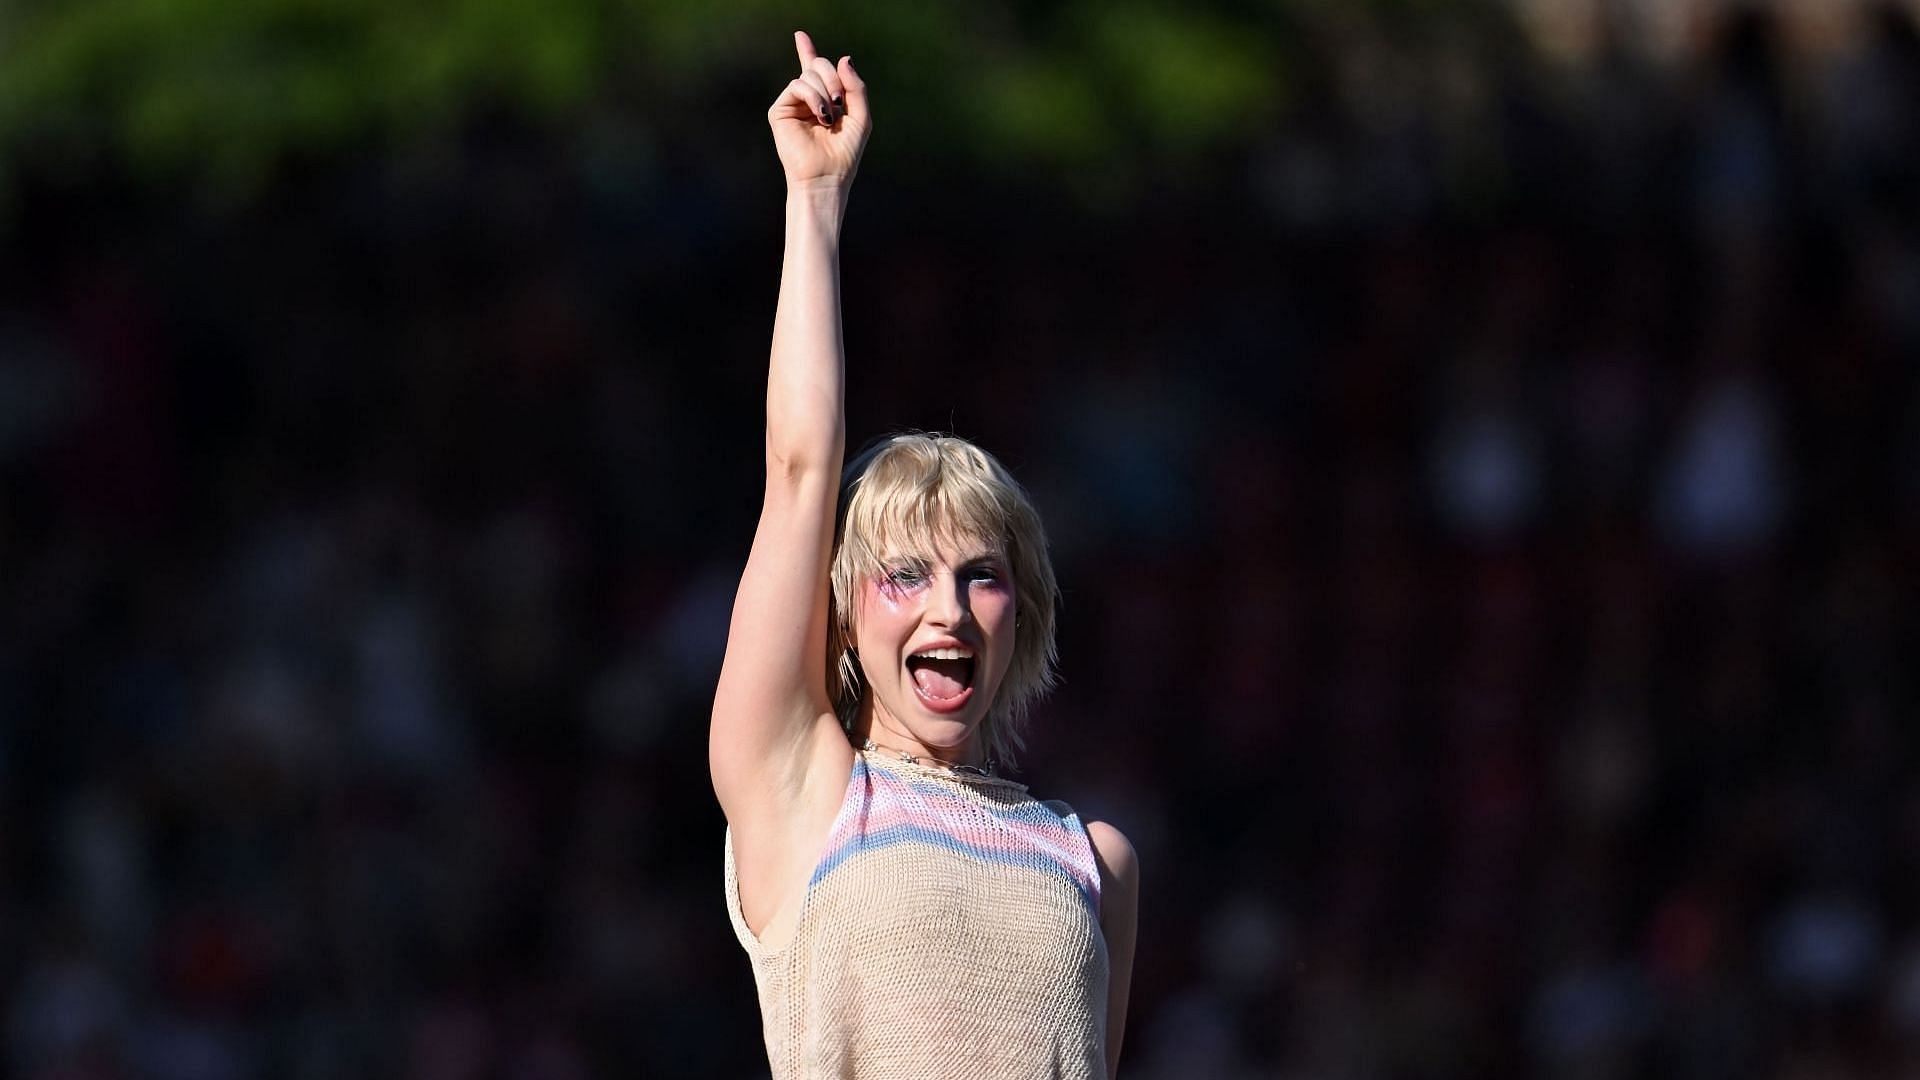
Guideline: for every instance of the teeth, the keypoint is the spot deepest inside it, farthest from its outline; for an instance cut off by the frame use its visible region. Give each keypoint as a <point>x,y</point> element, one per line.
<point>945,654</point>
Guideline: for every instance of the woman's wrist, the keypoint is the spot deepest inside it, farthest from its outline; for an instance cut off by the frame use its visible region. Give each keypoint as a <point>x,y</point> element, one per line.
<point>823,193</point>
<point>817,209</point>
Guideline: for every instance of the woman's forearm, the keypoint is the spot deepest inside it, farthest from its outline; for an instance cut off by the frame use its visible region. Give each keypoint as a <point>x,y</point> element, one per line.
<point>806,373</point>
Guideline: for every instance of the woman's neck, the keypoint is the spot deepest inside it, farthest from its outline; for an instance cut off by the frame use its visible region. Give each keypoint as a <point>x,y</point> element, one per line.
<point>874,726</point>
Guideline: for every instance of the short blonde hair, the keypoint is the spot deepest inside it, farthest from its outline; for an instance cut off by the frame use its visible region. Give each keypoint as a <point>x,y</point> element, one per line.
<point>915,493</point>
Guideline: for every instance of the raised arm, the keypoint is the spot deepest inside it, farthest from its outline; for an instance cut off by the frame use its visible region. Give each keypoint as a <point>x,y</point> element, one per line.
<point>772,706</point>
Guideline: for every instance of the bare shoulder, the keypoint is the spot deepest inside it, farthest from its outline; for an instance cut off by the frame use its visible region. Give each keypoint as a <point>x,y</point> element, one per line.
<point>1115,854</point>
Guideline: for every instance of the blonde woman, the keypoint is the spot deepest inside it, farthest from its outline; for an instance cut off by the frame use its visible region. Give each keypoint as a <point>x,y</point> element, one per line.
<point>908,910</point>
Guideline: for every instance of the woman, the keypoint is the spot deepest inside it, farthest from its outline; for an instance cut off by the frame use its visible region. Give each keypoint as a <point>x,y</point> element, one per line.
<point>908,911</point>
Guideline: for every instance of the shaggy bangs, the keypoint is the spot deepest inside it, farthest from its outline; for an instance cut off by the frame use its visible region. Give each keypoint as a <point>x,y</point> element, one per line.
<point>912,495</point>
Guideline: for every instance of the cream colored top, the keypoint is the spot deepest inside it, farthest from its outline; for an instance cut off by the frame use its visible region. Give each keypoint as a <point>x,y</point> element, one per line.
<point>951,929</point>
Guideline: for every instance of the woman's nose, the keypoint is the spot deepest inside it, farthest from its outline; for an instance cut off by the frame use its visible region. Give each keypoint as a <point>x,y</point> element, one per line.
<point>948,604</point>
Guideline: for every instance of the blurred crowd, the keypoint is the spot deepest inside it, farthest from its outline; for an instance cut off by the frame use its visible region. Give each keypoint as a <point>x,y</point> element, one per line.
<point>1486,509</point>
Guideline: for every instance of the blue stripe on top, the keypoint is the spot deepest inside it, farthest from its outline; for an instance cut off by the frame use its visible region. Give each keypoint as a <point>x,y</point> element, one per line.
<point>885,809</point>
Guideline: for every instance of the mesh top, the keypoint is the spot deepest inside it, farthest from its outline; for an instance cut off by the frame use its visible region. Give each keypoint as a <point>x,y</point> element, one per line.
<point>950,929</point>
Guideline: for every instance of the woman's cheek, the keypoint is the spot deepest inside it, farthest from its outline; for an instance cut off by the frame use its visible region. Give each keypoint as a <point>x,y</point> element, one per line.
<point>993,602</point>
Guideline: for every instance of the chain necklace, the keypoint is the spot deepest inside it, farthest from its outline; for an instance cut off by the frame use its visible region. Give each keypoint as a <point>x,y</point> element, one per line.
<point>984,771</point>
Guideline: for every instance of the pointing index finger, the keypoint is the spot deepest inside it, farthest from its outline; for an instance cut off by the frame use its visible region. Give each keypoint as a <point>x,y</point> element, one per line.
<point>803,45</point>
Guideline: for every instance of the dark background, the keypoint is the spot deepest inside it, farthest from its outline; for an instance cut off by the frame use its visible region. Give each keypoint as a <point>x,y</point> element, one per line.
<point>1481,445</point>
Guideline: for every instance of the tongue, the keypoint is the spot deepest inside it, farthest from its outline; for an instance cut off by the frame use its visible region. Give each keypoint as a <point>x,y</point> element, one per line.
<point>941,678</point>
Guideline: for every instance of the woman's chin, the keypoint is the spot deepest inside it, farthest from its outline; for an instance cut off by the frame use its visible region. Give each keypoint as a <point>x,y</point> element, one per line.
<point>944,731</point>
<point>944,734</point>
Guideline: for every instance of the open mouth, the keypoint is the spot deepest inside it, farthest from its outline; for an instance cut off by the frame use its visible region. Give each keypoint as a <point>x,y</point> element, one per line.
<point>943,678</point>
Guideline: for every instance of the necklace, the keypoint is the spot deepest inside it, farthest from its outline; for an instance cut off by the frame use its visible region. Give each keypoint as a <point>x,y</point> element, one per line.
<point>952,767</point>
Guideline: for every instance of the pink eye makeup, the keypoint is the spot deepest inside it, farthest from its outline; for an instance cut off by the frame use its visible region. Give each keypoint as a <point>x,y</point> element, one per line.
<point>911,575</point>
<point>901,579</point>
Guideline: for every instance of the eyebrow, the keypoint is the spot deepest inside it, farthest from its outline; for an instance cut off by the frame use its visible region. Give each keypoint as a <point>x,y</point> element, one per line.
<point>984,558</point>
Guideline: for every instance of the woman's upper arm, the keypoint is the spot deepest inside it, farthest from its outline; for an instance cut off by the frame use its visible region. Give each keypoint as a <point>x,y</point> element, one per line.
<point>772,698</point>
<point>1119,923</point>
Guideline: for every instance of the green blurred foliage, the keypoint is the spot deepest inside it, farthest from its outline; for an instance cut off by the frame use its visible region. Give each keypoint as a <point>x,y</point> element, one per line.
<point>223,92</point>
<point>226,89</point>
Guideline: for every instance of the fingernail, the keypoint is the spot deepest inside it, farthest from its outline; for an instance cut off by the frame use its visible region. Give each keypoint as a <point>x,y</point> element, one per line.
<point>840,105</point>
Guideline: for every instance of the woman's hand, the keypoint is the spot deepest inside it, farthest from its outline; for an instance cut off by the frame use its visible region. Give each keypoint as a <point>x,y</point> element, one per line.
<point>820,122</point>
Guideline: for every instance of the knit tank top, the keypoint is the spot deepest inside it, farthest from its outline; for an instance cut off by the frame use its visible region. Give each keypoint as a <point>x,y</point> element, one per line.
<point>950,930</point>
